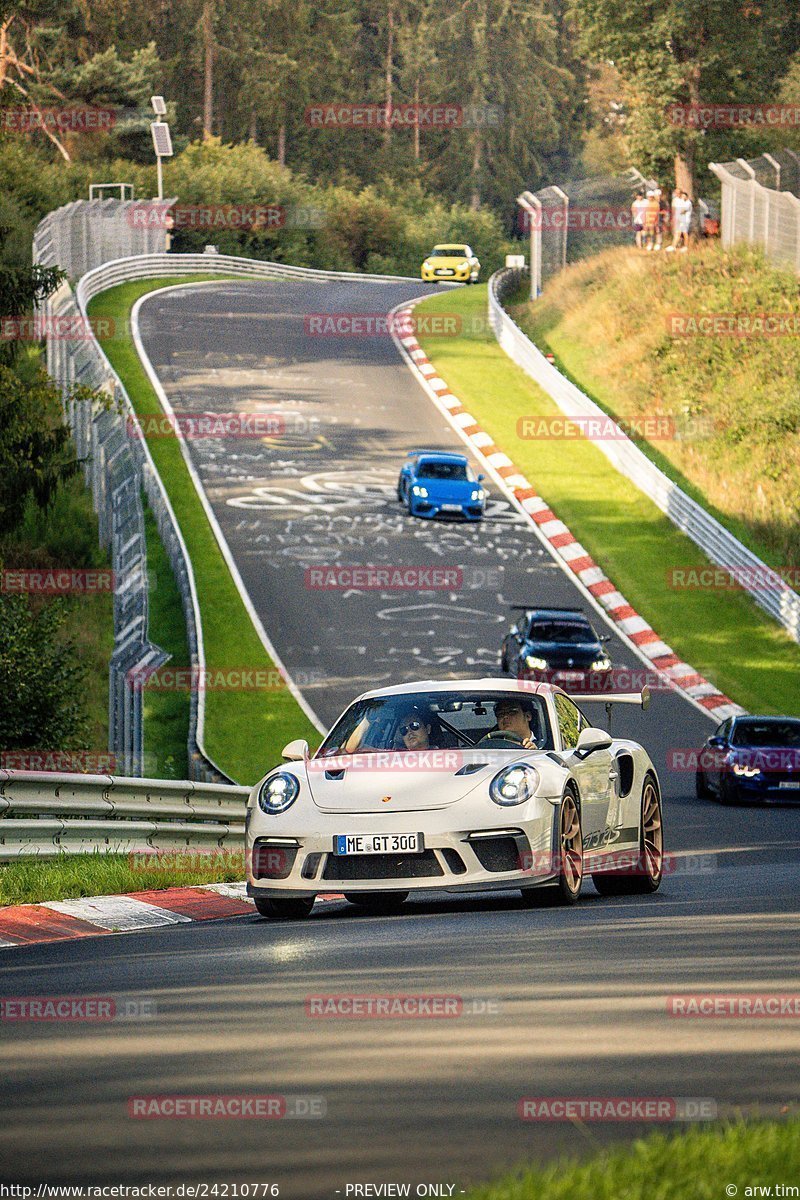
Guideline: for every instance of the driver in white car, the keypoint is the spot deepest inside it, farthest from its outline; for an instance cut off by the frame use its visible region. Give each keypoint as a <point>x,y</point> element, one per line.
<point>512,717</point>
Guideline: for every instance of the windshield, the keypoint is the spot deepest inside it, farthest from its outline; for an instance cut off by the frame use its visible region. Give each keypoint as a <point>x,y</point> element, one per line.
<point>438,720</point>
<point>431,469</point>
<point>767,733</point>
<point>448,252</point>
<point>561,631</point>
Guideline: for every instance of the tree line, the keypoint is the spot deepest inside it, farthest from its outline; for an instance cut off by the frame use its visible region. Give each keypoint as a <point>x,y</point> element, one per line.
<point>522,70</point>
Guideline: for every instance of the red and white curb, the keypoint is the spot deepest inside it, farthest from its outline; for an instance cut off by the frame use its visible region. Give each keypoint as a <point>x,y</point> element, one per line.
<point>60,920</point>
<point>565,548</point>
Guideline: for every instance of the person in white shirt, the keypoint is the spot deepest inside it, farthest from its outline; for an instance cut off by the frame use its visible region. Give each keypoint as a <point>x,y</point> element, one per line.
<point>682,209</point>
<point>638,209</point>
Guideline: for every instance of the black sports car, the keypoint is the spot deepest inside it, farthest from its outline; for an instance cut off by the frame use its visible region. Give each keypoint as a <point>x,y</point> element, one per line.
<point>751,759</point>
<point>554,644</point>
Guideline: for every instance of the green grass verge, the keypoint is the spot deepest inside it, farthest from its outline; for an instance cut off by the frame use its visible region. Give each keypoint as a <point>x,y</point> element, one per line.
<point>166,714</point>
<point>699,1164</point>
<point>723,635</point>
<point>33,881</point>
<point>245,730</point>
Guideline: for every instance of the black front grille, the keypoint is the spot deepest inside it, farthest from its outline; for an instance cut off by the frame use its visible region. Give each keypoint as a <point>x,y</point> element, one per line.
<point>382,866</point>
<point>498,854</point>
<point>273,862</point>
<point>454,861</point>
<point>310,866</point>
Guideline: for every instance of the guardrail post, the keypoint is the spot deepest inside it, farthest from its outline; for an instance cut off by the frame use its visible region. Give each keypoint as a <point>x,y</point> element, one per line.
<point>532,206</point>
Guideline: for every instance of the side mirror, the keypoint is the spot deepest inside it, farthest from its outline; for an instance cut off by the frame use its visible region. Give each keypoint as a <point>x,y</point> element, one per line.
<point>295,751</point>
<point>604,637</point>
<point>593,739</point>
<point>481,478</point>
<point>717,743</point>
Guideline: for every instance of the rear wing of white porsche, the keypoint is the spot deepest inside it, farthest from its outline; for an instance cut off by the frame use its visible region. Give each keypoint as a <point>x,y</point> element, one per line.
<point>641,699</point>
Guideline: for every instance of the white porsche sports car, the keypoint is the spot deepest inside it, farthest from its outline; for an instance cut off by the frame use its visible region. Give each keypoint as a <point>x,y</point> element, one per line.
<point>465,785</point>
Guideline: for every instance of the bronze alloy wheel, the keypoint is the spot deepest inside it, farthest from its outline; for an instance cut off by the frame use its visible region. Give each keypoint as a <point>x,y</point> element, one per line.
<point>649,867</point>
<point>652,833</point>
<point>567,887</point>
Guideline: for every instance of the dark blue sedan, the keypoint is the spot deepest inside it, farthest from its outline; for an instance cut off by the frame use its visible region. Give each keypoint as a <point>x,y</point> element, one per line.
<point>433,483</point>
<point>751,760</point>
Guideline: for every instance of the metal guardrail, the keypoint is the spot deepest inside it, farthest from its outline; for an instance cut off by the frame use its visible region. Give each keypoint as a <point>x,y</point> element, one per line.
<point>722,548</point>
<point>45,815</point>
<point>151,266</point>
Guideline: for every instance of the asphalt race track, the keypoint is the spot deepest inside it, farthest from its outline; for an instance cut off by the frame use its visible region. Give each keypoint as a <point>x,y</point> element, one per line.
<point>556,1002</point>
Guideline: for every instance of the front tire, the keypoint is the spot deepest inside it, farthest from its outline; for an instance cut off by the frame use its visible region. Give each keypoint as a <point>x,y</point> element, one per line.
<point>378,903</point>
<point>650,868</point>
<point>290,909</point>
<point>701,788</point>
<point>728,791</point>
<point>567,888</point>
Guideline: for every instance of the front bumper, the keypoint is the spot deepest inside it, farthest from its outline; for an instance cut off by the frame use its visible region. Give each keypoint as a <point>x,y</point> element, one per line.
<point>516,854</point>
<point>434,510</point>
<point>765,790</point>
<point>444,275</point>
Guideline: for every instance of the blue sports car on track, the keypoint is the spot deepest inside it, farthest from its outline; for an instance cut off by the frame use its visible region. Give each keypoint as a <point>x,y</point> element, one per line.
<point>434,483</point>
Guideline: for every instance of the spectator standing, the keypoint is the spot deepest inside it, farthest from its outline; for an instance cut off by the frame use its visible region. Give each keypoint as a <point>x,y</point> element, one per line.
<point>638,210</point>
<point>651,219</point>
<point>663,221</point>
<point>682,209</point>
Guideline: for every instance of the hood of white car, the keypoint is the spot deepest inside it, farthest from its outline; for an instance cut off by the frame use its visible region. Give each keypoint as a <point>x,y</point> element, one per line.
<point>399,782</point>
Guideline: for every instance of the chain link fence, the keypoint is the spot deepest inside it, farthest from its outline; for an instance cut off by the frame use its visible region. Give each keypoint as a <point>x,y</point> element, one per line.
<point>87,233</point>
<point>761,205</point>
<point>576,220</point>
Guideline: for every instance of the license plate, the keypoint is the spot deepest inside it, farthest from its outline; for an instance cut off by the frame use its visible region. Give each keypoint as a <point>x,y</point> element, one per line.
<point>378,843</point>
<point>444,271</point>
<point>451,508</point>
<point>791,785</point>
<point>572,676</point>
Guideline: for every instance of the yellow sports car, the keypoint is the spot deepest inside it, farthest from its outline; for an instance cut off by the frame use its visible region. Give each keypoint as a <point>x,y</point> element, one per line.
<point>456,263</point>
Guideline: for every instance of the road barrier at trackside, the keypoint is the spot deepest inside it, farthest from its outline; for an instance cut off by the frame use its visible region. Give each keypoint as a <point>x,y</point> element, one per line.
<point>722,548</point>
<point>44,815</point>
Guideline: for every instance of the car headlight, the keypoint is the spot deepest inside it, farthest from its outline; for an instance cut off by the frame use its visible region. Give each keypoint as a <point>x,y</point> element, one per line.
<point>462,266</point>
<point>427,265</point>
<point>278,793</point>
<point>745,769</point>
<point>478,494</point>
<point>602,664</point>
<point>536,664</point>
<point>514,785</point>
<point>419,491</point>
